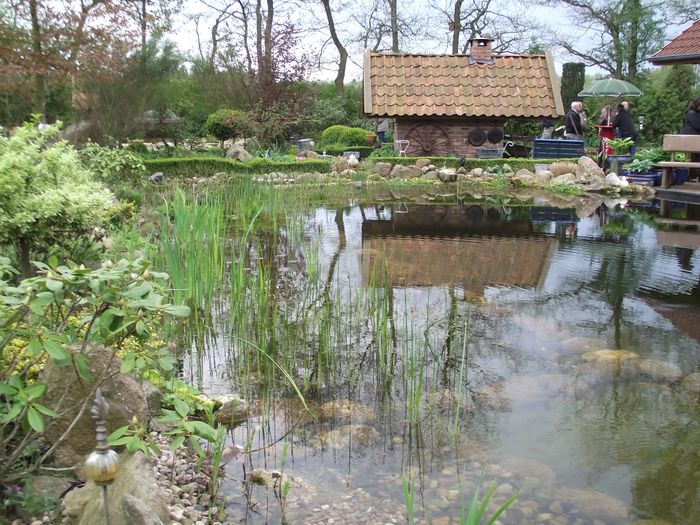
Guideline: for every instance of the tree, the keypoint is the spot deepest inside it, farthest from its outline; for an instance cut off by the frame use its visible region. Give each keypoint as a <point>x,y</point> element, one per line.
<point>342,52</point>
<point>573,77</point>
<point>227,124</point>
<point>619,35</point>
<point>46,195</point>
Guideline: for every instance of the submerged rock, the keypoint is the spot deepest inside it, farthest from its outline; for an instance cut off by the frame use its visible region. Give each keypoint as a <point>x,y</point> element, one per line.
<point>608,356</point>
<point>691,385</point>
<point>356,437</point>
<point>345,410</point>
<point>583,344</point>
<point>660,370</point>
<point>273,478</point>
<point>592,504</point>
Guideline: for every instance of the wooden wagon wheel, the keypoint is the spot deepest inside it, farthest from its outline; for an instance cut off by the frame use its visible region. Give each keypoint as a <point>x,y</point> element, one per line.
<point>428,140</point>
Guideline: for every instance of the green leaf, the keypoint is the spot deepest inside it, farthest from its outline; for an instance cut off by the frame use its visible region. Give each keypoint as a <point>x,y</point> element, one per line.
<point>128,364</point>
<point>126,440</point>
<point>204,430</point>
<point>52,261</point>
<point>54,286</point>
<point>35,391</point>
<point>35,347</point>
<point>167,363</point>
<point>181,407</point>
<point>81,366</point>
<point>7,390</point>
<point>138,292</point>
<point>141,328</point>
<point>45,410</point>
<point>35,419</point>
<point>177,310</point>
<point>177,442</point>
<point>13,413</point>
<point>56,351</point>
<point>117,433</point>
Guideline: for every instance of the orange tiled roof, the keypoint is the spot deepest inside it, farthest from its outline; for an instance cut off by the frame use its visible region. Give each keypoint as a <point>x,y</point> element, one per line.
<point>448,85</point>
<point>684,49</point>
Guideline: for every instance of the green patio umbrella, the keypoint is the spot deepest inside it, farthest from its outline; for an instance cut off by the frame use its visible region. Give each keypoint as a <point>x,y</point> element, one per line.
<point>611,87</point>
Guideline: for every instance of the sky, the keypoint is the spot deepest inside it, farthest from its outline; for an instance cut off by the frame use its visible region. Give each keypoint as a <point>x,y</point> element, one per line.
<point>185,37</point>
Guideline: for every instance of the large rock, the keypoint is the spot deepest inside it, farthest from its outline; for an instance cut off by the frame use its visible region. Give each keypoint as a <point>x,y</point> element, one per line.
<point>567,178</point>
<point>134,498</point>
<point>588,171</point>
<point>339,164</point>
<point>691,385</point>
<point>422,163</point>
<point>238,152</point>
<point>382,168</point>
<point>345,410</point>
<point>355,437</point>
<point>660,371</point>
<point>122,392</point>
<point>593,505</point>
<point>447,175</point>
<point>559,168</point>
<point>405,172</point>
<point>233,411</point>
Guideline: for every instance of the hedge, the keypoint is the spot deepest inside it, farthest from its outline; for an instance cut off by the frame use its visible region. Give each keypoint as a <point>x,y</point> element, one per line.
<point>207,166</point>
<point>516,163</point>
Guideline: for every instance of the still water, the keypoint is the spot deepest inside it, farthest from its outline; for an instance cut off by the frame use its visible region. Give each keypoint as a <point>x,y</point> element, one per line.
<point>548,350</point>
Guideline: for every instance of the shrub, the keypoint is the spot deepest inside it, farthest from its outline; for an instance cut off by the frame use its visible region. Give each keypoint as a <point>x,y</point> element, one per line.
<point>227,123</point>
<point>110,164</point>
<point>344,136</point>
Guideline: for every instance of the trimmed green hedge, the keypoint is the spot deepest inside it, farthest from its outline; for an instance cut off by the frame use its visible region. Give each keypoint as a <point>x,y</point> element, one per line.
<point>207,166</point>
<point>469,163</point>
<point>364,151</point>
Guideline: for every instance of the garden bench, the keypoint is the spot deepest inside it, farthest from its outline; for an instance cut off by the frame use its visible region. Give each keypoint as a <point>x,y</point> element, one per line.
<point>557,149</point>
<point>678,144</point>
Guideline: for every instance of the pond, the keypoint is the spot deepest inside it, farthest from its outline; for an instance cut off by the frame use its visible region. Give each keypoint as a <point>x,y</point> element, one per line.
<point>440,347</point>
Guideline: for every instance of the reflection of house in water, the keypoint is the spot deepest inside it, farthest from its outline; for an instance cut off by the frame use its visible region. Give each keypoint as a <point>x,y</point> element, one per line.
<point>469,247</point>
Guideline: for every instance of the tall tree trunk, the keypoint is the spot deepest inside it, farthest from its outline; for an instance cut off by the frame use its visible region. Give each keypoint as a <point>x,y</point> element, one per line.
<point>340,77</point>
<point>634,11</point>
<point>457,29</point>
<point>394,14</point>
<point>144,32</point>
<point>23,254</point>
<point>244,21</point>
<point>39,80</point>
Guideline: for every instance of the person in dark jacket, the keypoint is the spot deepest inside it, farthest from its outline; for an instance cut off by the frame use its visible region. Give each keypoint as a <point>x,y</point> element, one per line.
<point>691,122</point>
<point>691,126</point>
<point>575,122</point>
<point>623,125</point>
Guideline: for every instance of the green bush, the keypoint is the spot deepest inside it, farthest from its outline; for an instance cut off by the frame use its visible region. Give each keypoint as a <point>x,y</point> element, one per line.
<point>112,165</point>
<point>137,146</point>
<point>344,136</point>
<point>205,167</point>
<point>469,164</point>
<point>227,124</point>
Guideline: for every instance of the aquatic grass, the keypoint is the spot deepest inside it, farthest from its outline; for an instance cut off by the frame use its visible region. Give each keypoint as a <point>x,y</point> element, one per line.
<point>477,510</point>
<point>407,490</point>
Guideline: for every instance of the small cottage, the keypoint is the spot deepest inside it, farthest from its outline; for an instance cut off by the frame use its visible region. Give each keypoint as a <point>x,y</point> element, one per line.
<point>458,104</point>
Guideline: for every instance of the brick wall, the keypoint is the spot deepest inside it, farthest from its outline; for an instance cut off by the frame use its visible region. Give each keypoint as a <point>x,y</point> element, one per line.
<point>457,132</point>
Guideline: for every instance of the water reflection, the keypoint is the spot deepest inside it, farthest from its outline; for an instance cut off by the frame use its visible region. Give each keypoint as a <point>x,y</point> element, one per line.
<point>544,345</point>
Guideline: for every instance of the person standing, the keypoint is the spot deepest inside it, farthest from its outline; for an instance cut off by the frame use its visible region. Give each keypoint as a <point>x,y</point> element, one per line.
<point>575,125</point>
<point>691,121</point>
<point>624,127</point>
<point>382,128</point>
<point>691,126</point>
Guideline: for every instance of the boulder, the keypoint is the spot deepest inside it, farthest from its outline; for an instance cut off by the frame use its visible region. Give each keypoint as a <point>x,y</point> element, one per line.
<point>345,410</point>
<point>477,172</point>
<point>135,498</point>
<point>422,163</point>
<point>529,468</point>
<point>559,168</point>
<point>356,437</point>
<point>588,171</point>
<point>154,398</point>
<point>447,175</point>
<point>567,178</point>
<point>430,175</point>
<point>273,478</point>
<point>238,152</point>
<point>157,178</point>
<point>405,172</point>
<point>525,178</point>
<point>353,162</point>
<point>381,168</point>
<point>339,164</point>
<point>312,155</point>
<point>543,177</point>
<point>233,411</point>
<point>122,392</point>
<point>611,179</point>
<point>660,371</point>
<point>593,505</point>
<point>691,385</point>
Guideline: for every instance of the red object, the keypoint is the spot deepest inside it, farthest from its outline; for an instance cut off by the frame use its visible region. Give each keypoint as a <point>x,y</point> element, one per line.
<point>606,133</point>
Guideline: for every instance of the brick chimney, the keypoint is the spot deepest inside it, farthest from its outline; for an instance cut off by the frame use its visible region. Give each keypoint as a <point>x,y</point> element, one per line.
<point>481,48</point>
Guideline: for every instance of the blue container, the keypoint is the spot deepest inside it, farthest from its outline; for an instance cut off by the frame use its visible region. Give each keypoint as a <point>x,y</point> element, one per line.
<point>680,176</point>
<point>652,178</point>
